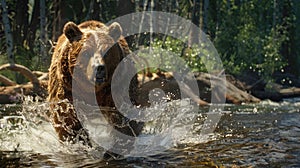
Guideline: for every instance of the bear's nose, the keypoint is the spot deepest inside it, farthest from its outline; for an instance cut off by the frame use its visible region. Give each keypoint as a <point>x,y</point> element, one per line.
<point>100,74</point>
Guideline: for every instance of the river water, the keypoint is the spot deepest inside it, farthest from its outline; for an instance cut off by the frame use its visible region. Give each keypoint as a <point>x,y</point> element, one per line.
<point>252,135</point>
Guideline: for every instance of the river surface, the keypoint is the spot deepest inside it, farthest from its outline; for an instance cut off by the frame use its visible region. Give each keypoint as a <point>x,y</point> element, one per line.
<point>253,135</point>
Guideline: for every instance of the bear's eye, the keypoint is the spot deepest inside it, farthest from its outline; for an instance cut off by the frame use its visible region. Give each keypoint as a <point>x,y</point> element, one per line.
<point>104,52</point>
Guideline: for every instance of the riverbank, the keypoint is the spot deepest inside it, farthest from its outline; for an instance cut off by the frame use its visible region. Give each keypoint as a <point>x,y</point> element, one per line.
<point>246,88</point>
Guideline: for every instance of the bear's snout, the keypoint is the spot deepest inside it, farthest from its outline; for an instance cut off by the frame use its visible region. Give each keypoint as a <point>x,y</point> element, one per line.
<point>100,75</point>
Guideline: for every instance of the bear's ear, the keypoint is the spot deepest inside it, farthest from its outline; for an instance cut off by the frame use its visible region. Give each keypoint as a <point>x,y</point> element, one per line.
<point>72,32</point>
<point>115,31</point>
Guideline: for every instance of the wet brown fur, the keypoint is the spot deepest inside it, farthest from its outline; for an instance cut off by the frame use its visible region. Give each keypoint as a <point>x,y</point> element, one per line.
<point>63,115</point>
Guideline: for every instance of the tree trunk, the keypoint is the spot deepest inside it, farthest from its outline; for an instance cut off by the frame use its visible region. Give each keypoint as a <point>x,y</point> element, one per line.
<point>57,23</point>
<point>33,26</point>
<point>151,21</point>
<point>295,43</point>
<point>205,16</point>
<point>125,7</point>
<point>8,34</point>
<point>194,33</point>
<point>213,12</point>
<point>90,10</point>
<point>288,47</point>
<point>44,60</point>
<point>145,4</point>
<point>274,13</point>
<point>20,26</point>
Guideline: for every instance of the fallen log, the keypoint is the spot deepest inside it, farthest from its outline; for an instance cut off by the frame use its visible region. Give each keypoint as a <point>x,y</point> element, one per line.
<point>233,94</point>
<point>271,90</point>
<point>290,92</point>
<point>277,94</point>
<point>41,75</point>
<point>205,81</point>
<point>21,69</point>
<point>164,82</point>
<point>12,92</point>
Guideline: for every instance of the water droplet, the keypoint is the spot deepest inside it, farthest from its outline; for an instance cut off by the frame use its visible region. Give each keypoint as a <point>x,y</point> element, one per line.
<point>255,110</point>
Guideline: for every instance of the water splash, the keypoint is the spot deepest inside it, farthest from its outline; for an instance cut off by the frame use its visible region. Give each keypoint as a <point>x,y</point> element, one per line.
<point>167,124</point>
<point>28,129</point>
<point>271,133</point>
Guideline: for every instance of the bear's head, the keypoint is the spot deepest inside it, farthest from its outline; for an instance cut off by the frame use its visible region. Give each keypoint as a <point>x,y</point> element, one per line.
<point>94,51</point>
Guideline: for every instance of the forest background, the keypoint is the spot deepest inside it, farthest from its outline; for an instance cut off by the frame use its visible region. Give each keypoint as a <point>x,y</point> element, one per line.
<point>254,38</point>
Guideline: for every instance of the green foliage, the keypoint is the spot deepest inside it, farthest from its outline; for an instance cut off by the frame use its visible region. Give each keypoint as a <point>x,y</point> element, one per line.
<point>25,57</point>
<point>172,54</point>
<point>164,54</point>
<point>254,41</point>
<point>273,60</point>
<point>194,59</point>
<point>256,35</point>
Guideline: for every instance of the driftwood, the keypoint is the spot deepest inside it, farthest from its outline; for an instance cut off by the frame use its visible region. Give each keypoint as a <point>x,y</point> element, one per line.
<point>236,91</point>
<point>233,94</point>
<point>23,70</point>
<point>277,94</point>
<point>275,91</point>
<point>290,92</point>
<point>12,92</point>
<point>167,83</point>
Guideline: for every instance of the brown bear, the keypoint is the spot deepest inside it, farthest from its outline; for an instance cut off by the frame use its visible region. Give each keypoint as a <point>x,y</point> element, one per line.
<point>95,50</point>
